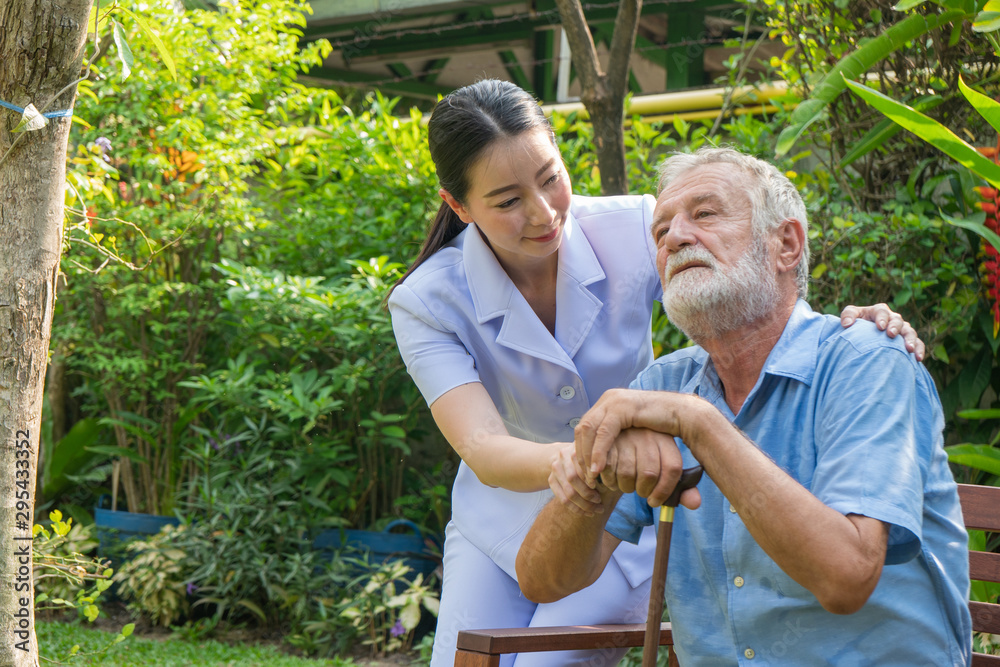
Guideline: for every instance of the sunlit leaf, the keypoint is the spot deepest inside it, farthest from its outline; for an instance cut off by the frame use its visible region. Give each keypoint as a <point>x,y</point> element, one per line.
<point>885,130</point>
<point>986,21</point>
<point>124,52</point>
<point>980,457</point>
<point>931,131</point>
<point>975,223</point>
<point>161,48</point>
<point>987,108</point>
<point>853,66</point>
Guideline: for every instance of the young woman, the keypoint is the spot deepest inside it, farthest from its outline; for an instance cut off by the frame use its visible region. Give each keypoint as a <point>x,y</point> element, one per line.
<point>525,304</point>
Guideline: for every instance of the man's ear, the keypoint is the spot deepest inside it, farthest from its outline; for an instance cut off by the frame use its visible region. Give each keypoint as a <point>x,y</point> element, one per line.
<point>455,206</point>
<point>793,241</point>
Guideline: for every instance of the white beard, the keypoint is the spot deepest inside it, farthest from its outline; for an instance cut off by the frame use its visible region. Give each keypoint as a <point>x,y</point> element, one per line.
<point>707,301</point>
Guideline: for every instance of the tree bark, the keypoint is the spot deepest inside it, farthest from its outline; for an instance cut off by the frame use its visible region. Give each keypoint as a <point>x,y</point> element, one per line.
<point>41,49</point>
<point>603,93</point>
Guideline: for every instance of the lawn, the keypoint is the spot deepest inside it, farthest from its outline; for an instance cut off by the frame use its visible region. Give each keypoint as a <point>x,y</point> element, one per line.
<point>56,639</point>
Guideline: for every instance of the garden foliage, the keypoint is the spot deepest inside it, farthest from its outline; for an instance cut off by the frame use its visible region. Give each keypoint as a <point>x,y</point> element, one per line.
<point>233,234</point>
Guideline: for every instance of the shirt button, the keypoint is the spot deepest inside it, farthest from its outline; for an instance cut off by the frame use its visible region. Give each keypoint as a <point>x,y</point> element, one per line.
<point>749,653</point>
<point>738,581</point>
<point>567,393</point>
<point>574,422</point>
<point>732,509</point>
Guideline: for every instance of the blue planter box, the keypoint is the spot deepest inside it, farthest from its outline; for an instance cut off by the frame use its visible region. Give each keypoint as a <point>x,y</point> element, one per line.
<point>117,528</point>
<point>381,546</point>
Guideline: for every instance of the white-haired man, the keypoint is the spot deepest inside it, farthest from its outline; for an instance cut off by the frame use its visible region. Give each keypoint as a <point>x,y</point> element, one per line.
<point>828,530</point>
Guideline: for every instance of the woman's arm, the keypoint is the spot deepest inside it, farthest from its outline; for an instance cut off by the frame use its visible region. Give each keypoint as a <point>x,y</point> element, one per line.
<point>469,420</point>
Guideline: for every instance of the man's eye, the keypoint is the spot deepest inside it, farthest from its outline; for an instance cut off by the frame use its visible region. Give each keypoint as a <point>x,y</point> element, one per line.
<point>661,232</point>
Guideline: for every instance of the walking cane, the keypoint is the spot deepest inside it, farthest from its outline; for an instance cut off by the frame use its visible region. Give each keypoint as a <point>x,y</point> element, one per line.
<point>689,479</point>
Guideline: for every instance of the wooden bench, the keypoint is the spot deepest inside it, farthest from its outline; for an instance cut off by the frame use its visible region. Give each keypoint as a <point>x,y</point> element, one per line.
<point>483,648</point>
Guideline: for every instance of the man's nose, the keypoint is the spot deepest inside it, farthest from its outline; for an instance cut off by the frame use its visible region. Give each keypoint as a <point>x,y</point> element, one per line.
<point>680,234</point>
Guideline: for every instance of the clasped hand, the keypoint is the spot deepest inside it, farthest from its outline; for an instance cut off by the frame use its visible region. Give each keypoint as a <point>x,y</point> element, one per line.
<point>618,449</point>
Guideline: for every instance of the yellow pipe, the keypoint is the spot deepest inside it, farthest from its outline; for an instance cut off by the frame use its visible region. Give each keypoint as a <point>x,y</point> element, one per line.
<point>706,100</point>
<point>706,115</point>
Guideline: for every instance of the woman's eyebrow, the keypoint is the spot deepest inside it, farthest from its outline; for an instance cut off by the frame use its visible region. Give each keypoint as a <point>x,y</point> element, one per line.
<point>538,174</point>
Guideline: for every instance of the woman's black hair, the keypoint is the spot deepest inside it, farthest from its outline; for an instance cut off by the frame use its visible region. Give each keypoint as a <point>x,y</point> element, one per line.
<point>461,127</point>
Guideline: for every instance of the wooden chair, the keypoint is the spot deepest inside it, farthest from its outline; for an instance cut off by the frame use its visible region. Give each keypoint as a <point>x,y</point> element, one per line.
<point>483,648</point>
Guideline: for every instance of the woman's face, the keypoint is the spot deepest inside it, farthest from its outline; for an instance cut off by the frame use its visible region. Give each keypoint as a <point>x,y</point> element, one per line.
<point>519,196</point>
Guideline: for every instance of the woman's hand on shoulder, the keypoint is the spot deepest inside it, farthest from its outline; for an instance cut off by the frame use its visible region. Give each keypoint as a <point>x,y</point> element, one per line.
<point>892,323</point>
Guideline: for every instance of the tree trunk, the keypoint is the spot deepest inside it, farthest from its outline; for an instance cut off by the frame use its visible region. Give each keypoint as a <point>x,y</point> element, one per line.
<point>41,49</point>
<point>603,94</point>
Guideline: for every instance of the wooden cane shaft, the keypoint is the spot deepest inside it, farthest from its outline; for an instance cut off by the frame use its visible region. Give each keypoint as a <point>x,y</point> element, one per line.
<point>651,641</point>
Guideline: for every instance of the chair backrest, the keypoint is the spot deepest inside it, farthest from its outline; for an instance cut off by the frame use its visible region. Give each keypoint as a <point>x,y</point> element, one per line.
<point>981,509</point>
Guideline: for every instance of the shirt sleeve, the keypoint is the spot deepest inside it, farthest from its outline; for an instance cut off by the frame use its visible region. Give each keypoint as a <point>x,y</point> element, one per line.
<point>631,515</point>
<point>876,428</point>
<point>434,355</point>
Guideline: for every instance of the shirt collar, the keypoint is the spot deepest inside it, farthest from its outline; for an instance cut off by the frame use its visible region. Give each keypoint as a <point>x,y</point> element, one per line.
<point>793,356</point>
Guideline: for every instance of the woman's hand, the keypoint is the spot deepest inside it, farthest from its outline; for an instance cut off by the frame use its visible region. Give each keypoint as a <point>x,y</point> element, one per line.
<point>568,483</point>
<point>890,322</point>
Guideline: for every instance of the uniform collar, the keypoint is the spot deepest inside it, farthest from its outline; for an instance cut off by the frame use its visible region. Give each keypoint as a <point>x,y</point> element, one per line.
<point>494,295</point>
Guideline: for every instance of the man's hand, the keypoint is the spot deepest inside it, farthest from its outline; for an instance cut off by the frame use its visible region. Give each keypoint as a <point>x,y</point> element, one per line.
<point>890,322</point>
<point>629,450</point>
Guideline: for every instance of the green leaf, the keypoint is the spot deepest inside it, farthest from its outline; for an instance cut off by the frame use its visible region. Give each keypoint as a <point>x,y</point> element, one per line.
<point>885,130</point>
<point>393,432</point>
<point>987,108</point>
<point>986,21</point>
<point>980,457</point>
<point>252,606</point>
<point>931,131</point>
<point>124,52</point>
<point>818,271</point>
<point>940,353</point>
<point>855,64</point>
<point>905,5</point>
<point>975,224</point>
<point>69,453</point>
<point>154,36</point>
<point>993,413</point>
<point>128,629</point>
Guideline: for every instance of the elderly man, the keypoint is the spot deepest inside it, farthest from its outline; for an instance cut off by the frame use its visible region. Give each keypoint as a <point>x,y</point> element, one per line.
<point>829,529</point>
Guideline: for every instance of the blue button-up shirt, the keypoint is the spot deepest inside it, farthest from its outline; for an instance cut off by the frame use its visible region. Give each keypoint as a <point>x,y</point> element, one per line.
<point>857,421</point>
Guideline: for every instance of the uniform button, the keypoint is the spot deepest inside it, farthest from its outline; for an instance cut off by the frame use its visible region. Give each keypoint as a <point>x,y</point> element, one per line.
<point>749,653</point>
<point>732,509</point>
<point>574,422</point>
<point>567,393</point>
<point>738,581</point>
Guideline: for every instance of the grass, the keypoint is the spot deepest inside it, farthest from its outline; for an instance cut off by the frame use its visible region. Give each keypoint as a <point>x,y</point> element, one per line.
<point>56,640</point>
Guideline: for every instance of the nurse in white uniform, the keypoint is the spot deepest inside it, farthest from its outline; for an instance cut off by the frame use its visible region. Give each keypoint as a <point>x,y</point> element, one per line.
<point>525,304</point>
